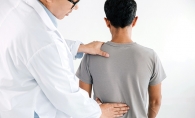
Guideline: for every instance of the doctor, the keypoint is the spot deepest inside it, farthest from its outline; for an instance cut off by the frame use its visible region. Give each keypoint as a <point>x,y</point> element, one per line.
<point>36,64</point>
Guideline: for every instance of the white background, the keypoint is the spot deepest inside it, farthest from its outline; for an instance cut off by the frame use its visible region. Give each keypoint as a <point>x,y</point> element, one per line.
<point>168,27</point>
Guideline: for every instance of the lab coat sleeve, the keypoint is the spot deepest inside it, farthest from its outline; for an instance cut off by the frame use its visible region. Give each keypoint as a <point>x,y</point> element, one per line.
<point>52,68</point>
<point>73,46</point>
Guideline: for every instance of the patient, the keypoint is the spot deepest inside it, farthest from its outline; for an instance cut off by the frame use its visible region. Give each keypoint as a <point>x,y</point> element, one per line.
<point>131,73</point>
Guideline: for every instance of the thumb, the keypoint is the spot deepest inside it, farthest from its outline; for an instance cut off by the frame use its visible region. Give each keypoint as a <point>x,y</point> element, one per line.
<point>103,54</point>
<point>98,101</point>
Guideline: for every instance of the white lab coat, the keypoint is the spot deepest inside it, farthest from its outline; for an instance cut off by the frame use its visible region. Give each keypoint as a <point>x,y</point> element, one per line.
<point>36,66</point>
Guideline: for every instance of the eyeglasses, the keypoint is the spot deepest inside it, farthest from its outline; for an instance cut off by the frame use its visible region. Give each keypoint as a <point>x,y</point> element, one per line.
<point>74,3</point>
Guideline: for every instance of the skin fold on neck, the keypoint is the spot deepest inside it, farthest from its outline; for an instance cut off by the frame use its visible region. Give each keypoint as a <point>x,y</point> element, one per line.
<point>121,35</point>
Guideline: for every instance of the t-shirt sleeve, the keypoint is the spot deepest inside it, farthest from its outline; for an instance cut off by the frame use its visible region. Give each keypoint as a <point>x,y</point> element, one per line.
<point>158,72</point>
<point>83,72</point>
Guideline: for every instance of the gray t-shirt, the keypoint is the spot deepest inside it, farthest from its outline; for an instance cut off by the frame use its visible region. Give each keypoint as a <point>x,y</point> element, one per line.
<point>124,76</point>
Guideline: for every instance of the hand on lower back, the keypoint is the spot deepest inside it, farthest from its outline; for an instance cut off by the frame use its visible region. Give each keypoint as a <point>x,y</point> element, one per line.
<point>113,110</point>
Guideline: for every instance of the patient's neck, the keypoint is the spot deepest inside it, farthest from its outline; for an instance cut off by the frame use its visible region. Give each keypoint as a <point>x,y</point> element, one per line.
<point>121,35</point>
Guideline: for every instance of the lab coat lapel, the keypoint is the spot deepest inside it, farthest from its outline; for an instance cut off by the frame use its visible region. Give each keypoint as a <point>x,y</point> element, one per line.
<point>42,13</point>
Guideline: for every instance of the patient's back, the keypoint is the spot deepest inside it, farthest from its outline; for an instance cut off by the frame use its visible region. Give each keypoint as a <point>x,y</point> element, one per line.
<point>124,76</point>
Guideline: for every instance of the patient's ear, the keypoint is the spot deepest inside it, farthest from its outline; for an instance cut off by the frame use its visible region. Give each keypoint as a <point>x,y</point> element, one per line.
<point>134,21</point>
<point>107,22</point>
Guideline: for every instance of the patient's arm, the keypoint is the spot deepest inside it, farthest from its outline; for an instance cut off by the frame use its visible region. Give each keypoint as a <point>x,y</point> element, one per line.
<point>85,86</point>
<point>154,100</point>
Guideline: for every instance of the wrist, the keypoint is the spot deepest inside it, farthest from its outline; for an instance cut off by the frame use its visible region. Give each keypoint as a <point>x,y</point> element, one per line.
<point>81,48</point>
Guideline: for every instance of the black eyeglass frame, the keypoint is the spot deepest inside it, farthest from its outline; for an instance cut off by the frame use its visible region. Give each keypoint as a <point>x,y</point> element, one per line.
<point>74,3</point>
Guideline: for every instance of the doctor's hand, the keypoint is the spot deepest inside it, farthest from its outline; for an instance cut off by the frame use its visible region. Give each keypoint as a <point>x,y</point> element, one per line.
<point>93,48</point>
<point>112,110</point>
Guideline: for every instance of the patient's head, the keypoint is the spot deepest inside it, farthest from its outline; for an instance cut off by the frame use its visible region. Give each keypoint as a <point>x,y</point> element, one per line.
<point>120,13</point>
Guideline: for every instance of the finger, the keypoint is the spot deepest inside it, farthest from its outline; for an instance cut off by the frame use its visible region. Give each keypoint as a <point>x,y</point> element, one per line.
<point>102,43</point>
<point>98,101</point>
<point>119,105</point>
<point>121,108</point>
<point>120,112</point>
<point>104,54</point>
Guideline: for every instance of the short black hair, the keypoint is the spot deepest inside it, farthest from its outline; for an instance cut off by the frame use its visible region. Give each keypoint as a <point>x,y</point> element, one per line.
<point>120,12</point>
